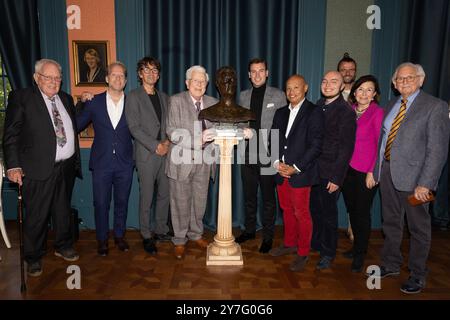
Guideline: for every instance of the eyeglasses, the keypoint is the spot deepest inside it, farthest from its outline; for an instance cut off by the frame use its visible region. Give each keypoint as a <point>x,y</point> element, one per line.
<point>199,82</point>
<point>48,78</point>
<point>150,70</point>
<point>407,78</point>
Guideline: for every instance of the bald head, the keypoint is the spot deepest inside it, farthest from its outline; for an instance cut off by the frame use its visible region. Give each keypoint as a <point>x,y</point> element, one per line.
<point>296,88</point>
<point>332,84</point>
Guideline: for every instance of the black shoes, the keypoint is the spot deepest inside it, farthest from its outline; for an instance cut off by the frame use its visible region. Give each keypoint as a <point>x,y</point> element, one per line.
<point>266,245</point>
<point>68,254</point>
<point>121,244</point>
<point>384,273</point>
<point>298,264</point>
<point>150,246</point>
<point>412,286</point>
<point>102,248</point>
<point>34,269</point>
<point>348,254</point>
<point>162,237</point>
<point>324,263</point>
<point>282,251</point>
<point>358,263</point>
<point>245,236</point>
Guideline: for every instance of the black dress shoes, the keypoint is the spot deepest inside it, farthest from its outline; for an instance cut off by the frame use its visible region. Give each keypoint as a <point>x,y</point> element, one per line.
<point>102,248</point>
<point>150,246</point>
<point>34,269</point>
<point>348,254</point>
<point>266,245</point>
<point>245,236</point>
<point>412,286</point>
<point>358,263</point>
<point>121,244</point>
<point>162,237</point>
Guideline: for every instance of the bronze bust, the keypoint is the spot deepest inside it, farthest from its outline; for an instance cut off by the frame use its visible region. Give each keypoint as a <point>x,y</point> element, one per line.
<point>226,111</point>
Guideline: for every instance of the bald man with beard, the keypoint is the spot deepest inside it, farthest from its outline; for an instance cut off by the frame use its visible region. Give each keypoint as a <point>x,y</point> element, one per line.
<point>337,149</point>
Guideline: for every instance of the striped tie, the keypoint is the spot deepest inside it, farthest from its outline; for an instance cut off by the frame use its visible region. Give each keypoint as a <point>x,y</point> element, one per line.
<point>394,129</point>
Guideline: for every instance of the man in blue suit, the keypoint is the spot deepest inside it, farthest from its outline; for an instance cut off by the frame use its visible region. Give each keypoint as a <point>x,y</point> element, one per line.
<point>300,126</point>
<point>111,160</point>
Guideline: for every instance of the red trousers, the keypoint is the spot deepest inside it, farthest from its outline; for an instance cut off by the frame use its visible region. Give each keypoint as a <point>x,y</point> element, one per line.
<point>296,216</point>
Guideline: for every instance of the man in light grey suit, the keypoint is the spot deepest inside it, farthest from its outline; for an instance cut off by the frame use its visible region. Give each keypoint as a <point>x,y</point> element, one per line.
<point>146,113</point>
<point>412,152</point>
<point>263,101</point>
<point>186,167</point>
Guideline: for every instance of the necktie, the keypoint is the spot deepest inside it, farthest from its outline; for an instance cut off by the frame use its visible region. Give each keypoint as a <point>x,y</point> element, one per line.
<point>61,138</point>
<point>394,129</point>
<point>198,105</point>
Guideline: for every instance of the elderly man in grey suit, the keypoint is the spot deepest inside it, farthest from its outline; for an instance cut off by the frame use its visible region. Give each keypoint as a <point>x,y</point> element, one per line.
<point>146,113</point>
<point>412,152</point>
<point>186,168</point>
<point>263,101</point>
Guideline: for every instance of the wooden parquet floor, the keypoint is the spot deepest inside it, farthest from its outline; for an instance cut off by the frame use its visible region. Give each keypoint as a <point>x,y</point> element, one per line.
<point>137,275</point>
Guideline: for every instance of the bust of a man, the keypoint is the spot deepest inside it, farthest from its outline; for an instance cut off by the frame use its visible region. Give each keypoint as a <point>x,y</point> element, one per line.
<point>226,111</point>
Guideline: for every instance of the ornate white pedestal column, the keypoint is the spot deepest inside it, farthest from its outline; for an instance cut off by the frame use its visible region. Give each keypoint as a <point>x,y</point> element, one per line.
<point>224,251</point>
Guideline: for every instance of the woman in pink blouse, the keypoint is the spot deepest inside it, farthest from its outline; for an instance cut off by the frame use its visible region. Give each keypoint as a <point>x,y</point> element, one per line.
<point>359,185</point>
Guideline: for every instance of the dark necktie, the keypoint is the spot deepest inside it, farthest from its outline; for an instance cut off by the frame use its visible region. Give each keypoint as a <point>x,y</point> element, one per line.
<point>61,138</point>
<point>394,129</point>
<point>198,105</point>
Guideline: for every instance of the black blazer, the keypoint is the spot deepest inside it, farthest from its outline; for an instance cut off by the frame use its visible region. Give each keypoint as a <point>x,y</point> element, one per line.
<point>338,140</point>
<point>303,145</point>
<point>29,140</point>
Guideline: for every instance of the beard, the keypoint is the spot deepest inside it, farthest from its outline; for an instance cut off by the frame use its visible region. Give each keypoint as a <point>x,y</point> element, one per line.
<point>348,80</point>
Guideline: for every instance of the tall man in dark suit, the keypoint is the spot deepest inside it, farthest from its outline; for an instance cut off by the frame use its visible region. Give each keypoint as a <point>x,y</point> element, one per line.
<point>263,101</point>
<point>412,152</point>
<point>111,160</point>
<point>146,111</point>
<point>337,149</point>
<point>42,155</point>
<point>300,126</point>
<point>186,168</point>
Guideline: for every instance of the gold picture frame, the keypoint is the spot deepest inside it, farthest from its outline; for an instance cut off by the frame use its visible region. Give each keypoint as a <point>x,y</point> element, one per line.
<point>91,59</point>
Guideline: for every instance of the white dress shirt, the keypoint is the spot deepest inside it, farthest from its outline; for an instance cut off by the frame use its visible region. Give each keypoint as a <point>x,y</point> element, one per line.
<point>114,110</point>
<point>68,150</point>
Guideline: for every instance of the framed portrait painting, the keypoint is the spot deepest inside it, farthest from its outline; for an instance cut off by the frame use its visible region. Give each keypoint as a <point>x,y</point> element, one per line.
<point>90,61</point>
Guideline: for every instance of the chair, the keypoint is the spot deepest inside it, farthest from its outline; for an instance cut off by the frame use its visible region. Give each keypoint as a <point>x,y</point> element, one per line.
<point>2,221</point>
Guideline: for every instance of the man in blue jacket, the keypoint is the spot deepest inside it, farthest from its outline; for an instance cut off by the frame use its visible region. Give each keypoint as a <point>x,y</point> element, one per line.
<point>111,160</point>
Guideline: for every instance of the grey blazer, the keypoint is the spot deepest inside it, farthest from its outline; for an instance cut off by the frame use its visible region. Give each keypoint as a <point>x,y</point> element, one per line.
<point>144,123</point>
<point>273,100</point>
<point>182,115</point>
<point>420,148</point>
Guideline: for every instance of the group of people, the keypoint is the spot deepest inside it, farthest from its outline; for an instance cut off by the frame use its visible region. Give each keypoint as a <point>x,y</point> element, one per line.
<point>346,143</point>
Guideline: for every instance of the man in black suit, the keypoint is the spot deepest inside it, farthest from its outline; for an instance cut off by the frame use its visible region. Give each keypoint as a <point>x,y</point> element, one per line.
<point>300,126</point>
<point>42,155</point>
<point>337,149</point>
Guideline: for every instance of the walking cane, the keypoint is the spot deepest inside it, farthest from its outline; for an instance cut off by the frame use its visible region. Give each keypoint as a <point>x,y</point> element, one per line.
<point>23,285</point>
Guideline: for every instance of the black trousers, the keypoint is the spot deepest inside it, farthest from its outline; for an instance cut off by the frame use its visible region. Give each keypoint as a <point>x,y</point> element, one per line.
<point>45,199</point>
<point>251,178</point>
<point>324,213</point>
<point>358,200</point>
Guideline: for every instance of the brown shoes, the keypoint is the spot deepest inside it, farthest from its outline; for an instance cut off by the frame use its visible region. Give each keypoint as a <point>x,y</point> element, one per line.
<point>179,252</point>
<point>202,243</point>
